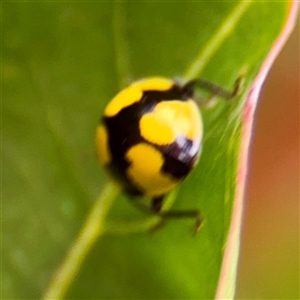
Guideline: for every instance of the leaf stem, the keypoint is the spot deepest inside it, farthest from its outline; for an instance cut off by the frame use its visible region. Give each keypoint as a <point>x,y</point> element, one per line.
<point>217,39</point>
<point>91,230</point>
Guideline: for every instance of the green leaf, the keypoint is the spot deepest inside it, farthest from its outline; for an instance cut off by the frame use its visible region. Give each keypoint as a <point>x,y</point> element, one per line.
<point>62,63</point>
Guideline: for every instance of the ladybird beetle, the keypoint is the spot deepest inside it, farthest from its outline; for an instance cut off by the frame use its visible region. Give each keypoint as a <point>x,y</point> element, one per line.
<point>149,139</point>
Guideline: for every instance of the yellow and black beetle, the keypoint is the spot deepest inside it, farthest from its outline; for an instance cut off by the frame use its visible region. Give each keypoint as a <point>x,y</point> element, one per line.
<point>149,138</point>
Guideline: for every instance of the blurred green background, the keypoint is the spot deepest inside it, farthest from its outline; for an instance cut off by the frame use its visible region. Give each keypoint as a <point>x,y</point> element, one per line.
<point>269,261</point>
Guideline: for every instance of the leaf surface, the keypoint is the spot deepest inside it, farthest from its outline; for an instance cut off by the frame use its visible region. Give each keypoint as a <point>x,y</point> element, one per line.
<point>62,63</point>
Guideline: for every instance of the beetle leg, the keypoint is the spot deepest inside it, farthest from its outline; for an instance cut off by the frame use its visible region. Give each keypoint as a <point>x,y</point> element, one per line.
<point>156,207</point>
<point>157,204</point>
<point>219,91</point>
<point>175,214</point>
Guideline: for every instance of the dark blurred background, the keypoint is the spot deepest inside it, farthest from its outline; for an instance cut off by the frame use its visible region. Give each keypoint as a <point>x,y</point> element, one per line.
<point>269,261</point>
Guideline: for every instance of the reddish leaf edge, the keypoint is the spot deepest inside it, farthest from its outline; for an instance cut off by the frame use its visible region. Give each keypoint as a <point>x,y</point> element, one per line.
<point>225,289</point>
